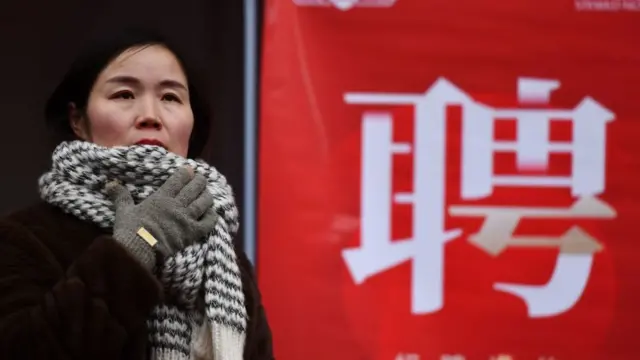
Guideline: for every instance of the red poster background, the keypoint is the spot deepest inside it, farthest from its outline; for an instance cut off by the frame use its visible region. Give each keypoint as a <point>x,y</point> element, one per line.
<point>309,184</point>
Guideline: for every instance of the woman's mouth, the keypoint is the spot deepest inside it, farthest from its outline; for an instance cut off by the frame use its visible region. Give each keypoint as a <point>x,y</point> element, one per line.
<point>151,142</point>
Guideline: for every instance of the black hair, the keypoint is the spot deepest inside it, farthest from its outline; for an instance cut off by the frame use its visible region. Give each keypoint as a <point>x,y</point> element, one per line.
<point>76,85</point>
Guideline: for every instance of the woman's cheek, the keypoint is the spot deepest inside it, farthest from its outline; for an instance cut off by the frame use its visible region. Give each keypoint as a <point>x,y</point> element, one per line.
<point>109,130</point>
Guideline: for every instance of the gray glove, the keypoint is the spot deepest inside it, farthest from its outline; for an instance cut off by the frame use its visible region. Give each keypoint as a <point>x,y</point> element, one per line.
<point>178,214</point>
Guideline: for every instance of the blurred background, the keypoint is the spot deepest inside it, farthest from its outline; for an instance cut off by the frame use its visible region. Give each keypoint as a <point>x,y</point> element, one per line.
<point>417,179</point>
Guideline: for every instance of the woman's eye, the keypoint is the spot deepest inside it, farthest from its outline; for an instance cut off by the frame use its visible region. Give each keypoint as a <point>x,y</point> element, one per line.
<point>170,97</point>
<point>126,95</point>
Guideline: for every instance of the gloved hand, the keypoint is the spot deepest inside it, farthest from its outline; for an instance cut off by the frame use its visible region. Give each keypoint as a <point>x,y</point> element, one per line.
<point>178,214</point>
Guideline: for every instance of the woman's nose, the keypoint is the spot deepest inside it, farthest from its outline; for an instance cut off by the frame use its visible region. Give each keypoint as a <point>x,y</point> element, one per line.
<point>148,118</point>
<point>149,122</point>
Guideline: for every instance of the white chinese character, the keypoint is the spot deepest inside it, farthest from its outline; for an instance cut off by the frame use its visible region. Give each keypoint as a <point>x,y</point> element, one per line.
<point>407,357</point>
<point>574,263</point>
<point>452,357</point>
<point>532,146</point>
<point>425,247</point>
<point>346,4</point>
<point>502,357</point>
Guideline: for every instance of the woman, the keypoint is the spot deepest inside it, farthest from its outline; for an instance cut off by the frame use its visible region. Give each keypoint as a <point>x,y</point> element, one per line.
<point>129,255</point>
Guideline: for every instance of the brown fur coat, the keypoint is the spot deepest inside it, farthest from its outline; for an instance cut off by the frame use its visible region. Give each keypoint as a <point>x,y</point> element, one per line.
<point>69,291</point>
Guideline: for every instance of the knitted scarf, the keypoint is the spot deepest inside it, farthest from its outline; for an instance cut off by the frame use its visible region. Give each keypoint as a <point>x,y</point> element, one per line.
<point>204,276</point>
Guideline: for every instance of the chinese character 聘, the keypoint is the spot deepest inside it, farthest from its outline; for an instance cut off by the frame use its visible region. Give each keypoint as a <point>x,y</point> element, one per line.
<point>377,252</point>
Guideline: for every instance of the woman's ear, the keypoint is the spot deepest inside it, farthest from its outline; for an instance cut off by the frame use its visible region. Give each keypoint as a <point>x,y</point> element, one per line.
<point>78,122</point>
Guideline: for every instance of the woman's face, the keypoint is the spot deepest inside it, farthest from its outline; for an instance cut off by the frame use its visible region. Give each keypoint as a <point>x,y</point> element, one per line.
<point>141,97</point>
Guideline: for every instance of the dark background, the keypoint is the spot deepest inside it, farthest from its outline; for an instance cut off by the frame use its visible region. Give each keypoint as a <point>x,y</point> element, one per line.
<point>40,40</point>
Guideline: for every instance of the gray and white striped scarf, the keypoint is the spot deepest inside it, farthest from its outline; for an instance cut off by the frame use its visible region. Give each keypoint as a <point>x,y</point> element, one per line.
<point>207,270</point>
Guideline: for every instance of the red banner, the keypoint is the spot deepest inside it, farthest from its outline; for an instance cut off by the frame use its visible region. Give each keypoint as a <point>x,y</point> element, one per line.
<point>451,179</point>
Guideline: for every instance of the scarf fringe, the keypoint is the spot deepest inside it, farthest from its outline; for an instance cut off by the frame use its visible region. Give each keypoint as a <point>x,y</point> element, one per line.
<point>228,344</point>
<point>168,354</point>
